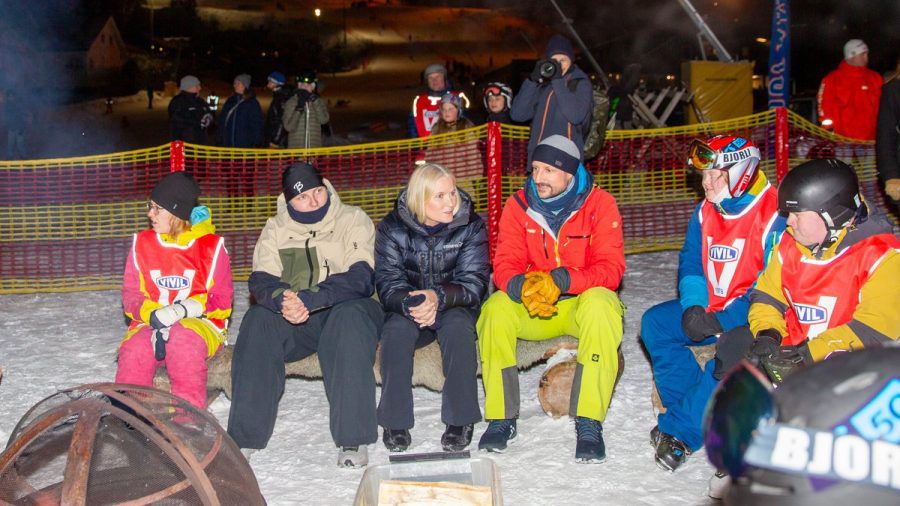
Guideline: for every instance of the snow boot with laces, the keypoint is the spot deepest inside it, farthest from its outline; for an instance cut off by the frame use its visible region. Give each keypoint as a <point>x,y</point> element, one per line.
<point>497,435</point>
<point>590,448</point>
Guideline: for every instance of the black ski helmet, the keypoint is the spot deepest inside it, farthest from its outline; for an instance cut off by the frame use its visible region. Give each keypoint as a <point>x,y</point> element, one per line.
<point>826,186</point>
<point>849,395</point>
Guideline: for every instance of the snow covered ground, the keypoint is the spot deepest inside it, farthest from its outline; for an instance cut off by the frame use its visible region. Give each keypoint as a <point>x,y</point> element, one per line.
<point>55,341</point>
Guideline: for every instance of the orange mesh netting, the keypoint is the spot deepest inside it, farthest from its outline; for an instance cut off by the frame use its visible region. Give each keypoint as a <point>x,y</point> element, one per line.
<point>66,224</point>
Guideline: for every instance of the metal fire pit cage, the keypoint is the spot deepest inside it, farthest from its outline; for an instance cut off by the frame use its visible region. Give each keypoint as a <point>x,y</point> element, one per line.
<point>122,444</point>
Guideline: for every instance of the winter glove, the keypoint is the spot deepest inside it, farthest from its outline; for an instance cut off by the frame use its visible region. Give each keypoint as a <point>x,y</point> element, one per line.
<point>206,120</point>
<point>536,73</point>
<point>784,361</point>
<point>302,98</point>
<point>411,302</point>
<point>541,284</point>
<point>698,324</point>
<point>159,340</point>
<point>167,316</point>
<point>540,309</point>
<point>767,343</point>
<point>892,188</point>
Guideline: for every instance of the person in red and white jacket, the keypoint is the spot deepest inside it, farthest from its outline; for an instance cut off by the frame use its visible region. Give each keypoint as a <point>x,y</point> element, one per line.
<point>177,291</point>
<point>848,96</point>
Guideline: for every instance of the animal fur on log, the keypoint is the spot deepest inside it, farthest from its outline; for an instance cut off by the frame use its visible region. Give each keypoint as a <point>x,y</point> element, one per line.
<point>427,368</point>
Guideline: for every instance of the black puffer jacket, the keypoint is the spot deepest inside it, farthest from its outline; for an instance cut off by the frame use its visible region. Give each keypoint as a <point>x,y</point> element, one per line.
<point>454,262</point>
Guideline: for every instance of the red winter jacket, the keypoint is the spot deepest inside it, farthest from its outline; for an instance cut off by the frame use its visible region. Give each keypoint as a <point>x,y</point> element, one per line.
<point>848,96</point>
<point>590,244</point>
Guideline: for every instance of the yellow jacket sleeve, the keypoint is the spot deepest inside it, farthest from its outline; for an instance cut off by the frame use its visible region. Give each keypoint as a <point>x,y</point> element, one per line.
<point>767,302</point>
<point>876,319</point>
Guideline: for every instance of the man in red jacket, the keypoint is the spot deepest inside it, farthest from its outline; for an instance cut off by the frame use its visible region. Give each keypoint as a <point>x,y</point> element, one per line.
<point>848,96</point>
<point>559,259</point>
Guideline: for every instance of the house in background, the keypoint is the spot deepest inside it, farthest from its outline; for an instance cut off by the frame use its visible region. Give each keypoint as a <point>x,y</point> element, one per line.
<point>89,58</point>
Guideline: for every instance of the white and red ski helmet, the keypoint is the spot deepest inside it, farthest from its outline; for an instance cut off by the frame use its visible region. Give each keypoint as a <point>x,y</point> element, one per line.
<point>735,155</point>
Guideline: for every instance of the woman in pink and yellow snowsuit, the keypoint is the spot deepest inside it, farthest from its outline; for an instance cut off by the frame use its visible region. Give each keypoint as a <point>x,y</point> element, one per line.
<point>177,291</point>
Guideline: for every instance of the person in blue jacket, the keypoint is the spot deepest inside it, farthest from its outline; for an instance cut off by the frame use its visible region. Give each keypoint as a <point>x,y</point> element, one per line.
<point>728,240</point>
<point>241,120</point>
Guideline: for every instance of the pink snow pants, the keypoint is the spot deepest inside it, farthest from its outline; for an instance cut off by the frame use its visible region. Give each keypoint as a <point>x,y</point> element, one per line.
<point>185,361</point>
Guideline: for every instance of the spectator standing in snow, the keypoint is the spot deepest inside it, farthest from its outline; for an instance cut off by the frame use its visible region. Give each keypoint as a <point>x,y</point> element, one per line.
<point>887,138</point>
<point>848,96</point>
<point>497,98</point>
<point>241,119</point>
<point>558,104</point>
<point>435,298</point>
<point>729,237</point>
<point>276,135</point>
<point>312,281</point>
<point>540,296</point>
<point>304,114</point>
<point>177,292</point>
<point>189,115</point>
<point>426,106</point>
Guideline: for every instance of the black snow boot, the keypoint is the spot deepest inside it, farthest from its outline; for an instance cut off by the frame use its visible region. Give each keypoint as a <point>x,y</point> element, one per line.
<point>396,440</point>
<point>670,452</point>
<point>589,447</point>
<point>497,435</point>
<point>457,437</point>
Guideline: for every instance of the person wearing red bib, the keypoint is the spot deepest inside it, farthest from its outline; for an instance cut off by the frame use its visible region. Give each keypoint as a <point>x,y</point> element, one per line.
<point>177,291</point>
<point>831,286</point>
<point>727,241</point>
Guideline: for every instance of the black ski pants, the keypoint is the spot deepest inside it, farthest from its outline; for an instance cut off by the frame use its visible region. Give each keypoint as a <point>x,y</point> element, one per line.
<point>454,330</point>
<point>344,336</point>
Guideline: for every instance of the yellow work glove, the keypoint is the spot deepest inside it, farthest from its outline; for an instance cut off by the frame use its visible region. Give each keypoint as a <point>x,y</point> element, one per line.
<point>543,285</point>
<point>892,188</point>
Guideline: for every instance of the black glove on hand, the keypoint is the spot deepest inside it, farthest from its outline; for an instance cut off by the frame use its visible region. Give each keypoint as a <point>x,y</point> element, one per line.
<point>783,362</point>
<point>536,73</point>
<point>412,301</point>
<point>698,324</point>
<point>160,338</point>
<point>302,99</point>
<point>767,343</point>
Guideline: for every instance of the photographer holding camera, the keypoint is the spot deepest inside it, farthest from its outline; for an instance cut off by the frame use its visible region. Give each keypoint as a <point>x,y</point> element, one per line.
<point>304,114</point>
<point>556,98</point>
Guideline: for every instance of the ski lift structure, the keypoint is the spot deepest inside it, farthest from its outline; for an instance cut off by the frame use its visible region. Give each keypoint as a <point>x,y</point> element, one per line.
<point>653,108</point>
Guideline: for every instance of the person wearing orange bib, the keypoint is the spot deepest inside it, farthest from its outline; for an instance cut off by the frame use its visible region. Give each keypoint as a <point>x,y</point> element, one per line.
<point>831,286</point>
<point>728,239</point>
<point>177,291</point>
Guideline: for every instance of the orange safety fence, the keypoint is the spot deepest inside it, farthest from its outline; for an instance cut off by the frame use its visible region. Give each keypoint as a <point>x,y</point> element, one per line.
<point>66,224</point>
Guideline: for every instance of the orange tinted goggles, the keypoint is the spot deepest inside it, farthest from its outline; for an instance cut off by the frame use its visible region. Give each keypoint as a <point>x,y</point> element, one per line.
<point>701,156</point>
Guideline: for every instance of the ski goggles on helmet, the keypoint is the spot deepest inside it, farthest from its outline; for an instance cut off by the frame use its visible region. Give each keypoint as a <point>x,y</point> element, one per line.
<point>701,156</point>
<point>493,91</point>
<point>741,405</point>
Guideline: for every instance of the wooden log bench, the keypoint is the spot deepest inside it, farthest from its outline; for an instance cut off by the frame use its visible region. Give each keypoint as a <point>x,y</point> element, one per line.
<point>427,369</point>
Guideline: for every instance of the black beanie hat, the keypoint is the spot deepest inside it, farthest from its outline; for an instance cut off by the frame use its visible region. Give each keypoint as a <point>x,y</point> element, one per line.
<point>298,178</point>
<point>177,193</point>
<point>558,44</point>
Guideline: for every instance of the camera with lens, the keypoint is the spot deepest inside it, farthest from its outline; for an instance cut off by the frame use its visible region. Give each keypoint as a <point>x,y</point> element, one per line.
<point>545,70</point>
